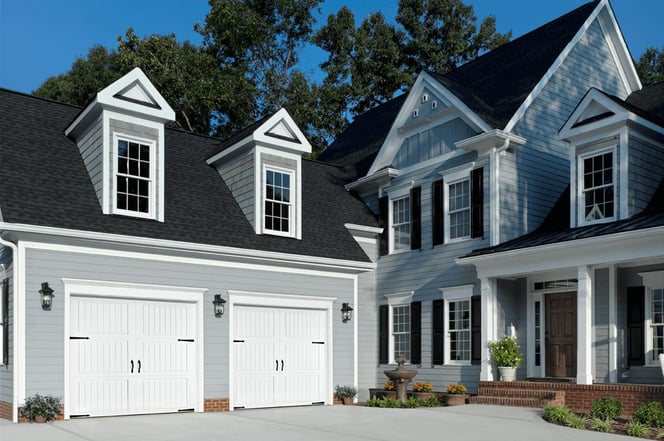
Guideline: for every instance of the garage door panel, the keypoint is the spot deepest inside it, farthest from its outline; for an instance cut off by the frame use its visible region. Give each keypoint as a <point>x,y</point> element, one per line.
<point>252,322</point>
<point>254,390</point>
<point>100,396</point>
<point>254,357</point>
<point>99,317</point>
<point>97,357</point>
<point>302,389</point>
<point>161,394</point>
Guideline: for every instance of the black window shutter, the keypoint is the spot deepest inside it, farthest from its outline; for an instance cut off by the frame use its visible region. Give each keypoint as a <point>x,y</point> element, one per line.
<point>416,218</point>
<point>476,330</point>
<point>636,298</point>
<point>383,222</point>
<point>437,195</point>
<point>5,322</point>
<point>416,333</point>
<point>438,325</point>
<point>477,203</point>
<point>383,333</point>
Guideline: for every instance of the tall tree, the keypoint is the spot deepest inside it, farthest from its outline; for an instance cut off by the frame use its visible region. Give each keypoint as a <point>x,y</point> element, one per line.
<point>651,66</point>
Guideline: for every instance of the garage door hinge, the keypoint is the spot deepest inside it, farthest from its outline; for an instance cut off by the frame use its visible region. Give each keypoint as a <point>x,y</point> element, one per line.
<point>191,340</point>
<point>78,338</point>
<point>238,341</point>
<point>317,342</point>
<point>191,409</point>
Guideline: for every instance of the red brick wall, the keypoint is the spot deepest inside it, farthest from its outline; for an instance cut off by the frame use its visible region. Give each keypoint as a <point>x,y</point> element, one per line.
<point>216,405</point>
<point>5,410</point>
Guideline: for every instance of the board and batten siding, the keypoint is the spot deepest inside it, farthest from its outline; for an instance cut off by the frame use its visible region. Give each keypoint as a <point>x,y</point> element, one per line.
<point>45,329</point>
<point>646,169</point>
<point>239,178</point>
<point>90,144</point>
<point>7,372</point>
<point>533,178</point>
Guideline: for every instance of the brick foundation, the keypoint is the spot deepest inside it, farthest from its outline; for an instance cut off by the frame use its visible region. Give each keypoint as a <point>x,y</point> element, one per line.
<point>216,405</point>
<point>579,397</point>
<point>5,410</point>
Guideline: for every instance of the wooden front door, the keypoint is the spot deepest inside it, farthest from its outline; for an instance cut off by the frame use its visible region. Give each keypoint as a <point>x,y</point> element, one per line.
<point>561,334</point>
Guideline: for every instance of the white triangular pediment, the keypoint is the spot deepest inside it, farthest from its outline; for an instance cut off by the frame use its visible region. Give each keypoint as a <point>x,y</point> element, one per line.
<point>594,111</point>
<point>137,93</point>
<point>282,130</point>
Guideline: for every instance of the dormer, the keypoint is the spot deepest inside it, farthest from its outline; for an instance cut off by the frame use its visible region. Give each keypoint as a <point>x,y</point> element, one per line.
<point>262,166</point>
<point>120,135</point>
<point>616,158</point>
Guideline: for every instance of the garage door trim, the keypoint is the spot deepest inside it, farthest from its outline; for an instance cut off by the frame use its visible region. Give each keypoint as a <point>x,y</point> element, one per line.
<point>133,291</point>
<point>245,298</point>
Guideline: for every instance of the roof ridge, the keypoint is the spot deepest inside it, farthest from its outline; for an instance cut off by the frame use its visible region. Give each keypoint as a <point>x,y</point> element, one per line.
<point>37,97</point>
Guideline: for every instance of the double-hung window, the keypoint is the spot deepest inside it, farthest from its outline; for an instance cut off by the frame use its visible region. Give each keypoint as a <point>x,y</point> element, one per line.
<point>657,322</point>
<point>134,177</point>
<point>458,324</point>
<point>597,192</point>
<point>278,214</point>
<point>401,223</point>
<point>458,204</point>
<point>401,331</point>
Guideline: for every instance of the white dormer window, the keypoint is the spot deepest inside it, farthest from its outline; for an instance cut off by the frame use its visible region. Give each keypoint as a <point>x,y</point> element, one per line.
<point>278,205</point>
<point>597,181</point>
<point>134,176</point>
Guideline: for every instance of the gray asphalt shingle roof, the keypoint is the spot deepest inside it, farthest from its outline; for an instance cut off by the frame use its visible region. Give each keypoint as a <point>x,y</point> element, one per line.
<point>45,182</point>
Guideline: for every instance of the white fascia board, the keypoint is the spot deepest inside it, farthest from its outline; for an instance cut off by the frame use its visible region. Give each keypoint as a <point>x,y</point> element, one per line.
<point>81,117</point>
<point>214,252</point>
<point>619,49</point>
<point>554,67</point>
<point>231,151</point>
<point>301,147</point>
<point>600,250</point>
<point>363,230</point>
<point>394,137</point>
<point>486,142</point>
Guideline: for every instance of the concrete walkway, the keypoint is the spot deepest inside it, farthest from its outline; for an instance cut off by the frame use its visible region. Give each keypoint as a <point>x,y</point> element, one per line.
<point>320,423</point>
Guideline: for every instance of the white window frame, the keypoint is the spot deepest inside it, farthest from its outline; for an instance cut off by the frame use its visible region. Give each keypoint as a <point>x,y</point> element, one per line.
<point>397,300</point>
<point>152,181</point>
<point>292,226</point>
<point>452,177</point>
<point>393,236</point>
<point>580,187</point>
<point>4,327</point>
<point>652,280</point>
<point>450,295</point>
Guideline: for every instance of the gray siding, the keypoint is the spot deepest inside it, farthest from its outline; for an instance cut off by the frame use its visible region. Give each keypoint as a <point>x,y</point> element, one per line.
<point>45,339</point>
<point>511,311</point>
<point>7,372</point>
<point>601,326</point>
<point>239,177</point>
<point>90,145</point>
<point>533,178</point>
<point>646,169</point>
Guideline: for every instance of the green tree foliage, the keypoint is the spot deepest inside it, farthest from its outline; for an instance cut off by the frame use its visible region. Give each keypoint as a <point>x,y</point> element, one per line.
<point>651,66</point>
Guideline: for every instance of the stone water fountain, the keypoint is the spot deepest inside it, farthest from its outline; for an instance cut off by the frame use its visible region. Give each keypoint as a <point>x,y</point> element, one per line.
<point>401,377</point>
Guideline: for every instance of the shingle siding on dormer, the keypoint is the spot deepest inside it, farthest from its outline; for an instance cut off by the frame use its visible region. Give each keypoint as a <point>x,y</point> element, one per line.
<point>239,177</point>
<point>646,170</point>
<point>533,179</point>
<point>91,148</point>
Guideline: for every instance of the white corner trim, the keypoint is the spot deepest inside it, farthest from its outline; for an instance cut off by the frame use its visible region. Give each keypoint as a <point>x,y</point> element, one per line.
<point>18,281</point>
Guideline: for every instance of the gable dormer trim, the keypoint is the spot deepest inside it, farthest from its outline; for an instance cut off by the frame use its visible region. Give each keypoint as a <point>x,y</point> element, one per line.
<point>395,136</point>
<point>618,48</point>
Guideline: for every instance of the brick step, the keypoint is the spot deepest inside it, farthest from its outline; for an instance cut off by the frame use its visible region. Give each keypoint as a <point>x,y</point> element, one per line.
<point>511,401</point>
<point>516,393</point>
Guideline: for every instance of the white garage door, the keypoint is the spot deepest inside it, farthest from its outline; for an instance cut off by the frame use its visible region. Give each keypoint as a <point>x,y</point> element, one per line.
<point>279,356</point>
<point>131,356</point>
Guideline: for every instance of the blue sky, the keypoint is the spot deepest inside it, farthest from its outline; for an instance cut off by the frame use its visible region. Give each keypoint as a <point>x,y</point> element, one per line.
<point>42,38</point>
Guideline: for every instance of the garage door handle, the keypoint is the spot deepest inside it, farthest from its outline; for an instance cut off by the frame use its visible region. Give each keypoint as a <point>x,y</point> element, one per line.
<point>132,366</point>
<point>139,366</point>
<point>282,365</point>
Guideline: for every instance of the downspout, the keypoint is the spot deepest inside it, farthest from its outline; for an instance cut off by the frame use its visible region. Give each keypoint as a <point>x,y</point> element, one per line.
<point>15,260</point>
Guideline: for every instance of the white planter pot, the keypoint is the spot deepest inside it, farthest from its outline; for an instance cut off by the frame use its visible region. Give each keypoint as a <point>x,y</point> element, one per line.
<point>507,373</point>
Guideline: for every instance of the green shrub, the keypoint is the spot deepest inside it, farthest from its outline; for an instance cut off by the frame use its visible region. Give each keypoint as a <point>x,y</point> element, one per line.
<point>606,408</point>
<point>651,414</point>
<point>557,414</point>
<point>345,391</point>
<point>636,428</point>
<point>601,425</point>
<point>40,405</point>
<point>391,403</point>
<point>432,402</point>
<point>575,421</point>
<point>412,402</point>
<point>373,402</point>
<point>660,435</point>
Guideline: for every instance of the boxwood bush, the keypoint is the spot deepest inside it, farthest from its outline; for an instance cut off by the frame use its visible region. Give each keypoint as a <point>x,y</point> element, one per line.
<point>606,408</point>
<point>651,414</point>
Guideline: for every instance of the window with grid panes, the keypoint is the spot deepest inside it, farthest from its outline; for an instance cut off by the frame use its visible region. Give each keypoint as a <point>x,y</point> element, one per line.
<point>598,187</point>
<point>277,201</point>
<point>657,322</point>
<point>401,331</point>
<point>133,177</point>
<point>458,209</point>
<point>401,223</point>
<point>459,330</point>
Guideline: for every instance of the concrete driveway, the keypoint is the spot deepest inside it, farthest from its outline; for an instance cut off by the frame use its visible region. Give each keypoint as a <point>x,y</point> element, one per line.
<point>320,423</point>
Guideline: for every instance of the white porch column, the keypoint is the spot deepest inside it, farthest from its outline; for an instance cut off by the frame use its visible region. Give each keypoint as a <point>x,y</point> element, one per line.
<point>488,325</point>
<point>584,306</point>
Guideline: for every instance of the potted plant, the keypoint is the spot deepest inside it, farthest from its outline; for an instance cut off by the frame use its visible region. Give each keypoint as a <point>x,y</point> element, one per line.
<point>456,394</point>
<point>423,391</point>
<point>505,353</point>
<point>390,389</point>
<point>40,408</point>
<point>345,393</point>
